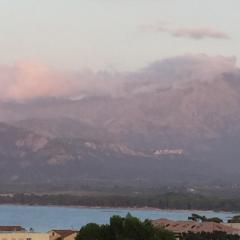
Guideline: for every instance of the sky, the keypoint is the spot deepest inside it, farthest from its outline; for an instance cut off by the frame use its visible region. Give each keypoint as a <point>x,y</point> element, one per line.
<point>115,35</point>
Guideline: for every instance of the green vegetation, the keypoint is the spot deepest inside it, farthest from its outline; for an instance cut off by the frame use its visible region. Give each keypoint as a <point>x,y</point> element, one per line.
<point>162,201</point>
<point>235,219</point>
<point>199,218</point>
<point>208,236</point>
<point>128,228</point>
<point>131,228</point>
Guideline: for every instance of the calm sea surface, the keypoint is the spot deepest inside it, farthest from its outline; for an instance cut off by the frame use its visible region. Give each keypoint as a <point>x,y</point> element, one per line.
<point>45,218</point>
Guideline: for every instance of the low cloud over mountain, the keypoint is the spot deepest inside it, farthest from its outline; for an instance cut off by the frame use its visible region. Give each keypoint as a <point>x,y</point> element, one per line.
<point>28,81</point>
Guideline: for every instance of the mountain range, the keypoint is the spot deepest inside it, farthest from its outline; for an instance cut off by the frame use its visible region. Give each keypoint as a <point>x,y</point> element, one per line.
<point>175,121</point>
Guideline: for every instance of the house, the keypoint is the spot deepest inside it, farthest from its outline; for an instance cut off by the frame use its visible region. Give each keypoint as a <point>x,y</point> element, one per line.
<point>180,227</point>
<point>20,233</point>
<point>62,234</point>
<point>12,229</point>
<point>233,225</point>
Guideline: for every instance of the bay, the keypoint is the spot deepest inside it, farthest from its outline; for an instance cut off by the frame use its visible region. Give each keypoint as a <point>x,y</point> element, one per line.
<point>45,218</point>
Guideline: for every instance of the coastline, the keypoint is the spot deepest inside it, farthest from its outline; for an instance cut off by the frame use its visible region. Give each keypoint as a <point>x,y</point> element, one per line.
<point>121,208</point>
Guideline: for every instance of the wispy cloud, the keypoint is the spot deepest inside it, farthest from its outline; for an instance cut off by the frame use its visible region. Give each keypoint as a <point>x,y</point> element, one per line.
<point>195,33</point>
<point>199,33</point>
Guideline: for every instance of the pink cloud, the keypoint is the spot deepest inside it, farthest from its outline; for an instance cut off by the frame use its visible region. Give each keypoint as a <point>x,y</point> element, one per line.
<point>25,81</point>
<point>31,80</point>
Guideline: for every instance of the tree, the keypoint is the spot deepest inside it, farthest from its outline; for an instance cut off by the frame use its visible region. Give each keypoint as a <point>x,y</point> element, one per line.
<point>199,218</point>
<point>162,234</point>
<point>235,219</point>
<point>116,226</point>
<point>128,228</point>
<point>214,219</point>
<point>91,231</point>
<point>211,236</point>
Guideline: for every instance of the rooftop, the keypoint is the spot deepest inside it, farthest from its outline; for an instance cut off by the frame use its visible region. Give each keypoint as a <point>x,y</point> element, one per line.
<point>192,226</point>
<point>64,233</point>
<point>11,229</point>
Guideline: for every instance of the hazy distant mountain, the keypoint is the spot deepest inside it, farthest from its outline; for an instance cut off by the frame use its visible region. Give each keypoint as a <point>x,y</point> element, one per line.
<point>195,119</point>
<point>63,127</point>
<point>31,158</point>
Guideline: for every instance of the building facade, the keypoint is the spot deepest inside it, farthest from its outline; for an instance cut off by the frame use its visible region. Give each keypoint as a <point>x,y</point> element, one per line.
<point>24,235</point>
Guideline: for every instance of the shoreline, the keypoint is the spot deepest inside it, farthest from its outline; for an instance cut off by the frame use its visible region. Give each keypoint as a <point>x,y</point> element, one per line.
<point>119,208</point>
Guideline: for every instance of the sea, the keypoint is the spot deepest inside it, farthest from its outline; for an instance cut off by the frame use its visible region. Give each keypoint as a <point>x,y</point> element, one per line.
<point>45,218</point>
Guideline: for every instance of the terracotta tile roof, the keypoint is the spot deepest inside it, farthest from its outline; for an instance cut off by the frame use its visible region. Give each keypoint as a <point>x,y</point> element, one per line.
<point>64,233</point>
<point>11,229</point>
<point>192,226</point>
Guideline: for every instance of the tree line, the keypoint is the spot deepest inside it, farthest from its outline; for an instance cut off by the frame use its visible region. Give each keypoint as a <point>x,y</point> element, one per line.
<point>162,201</point>
<point>124,228</point>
